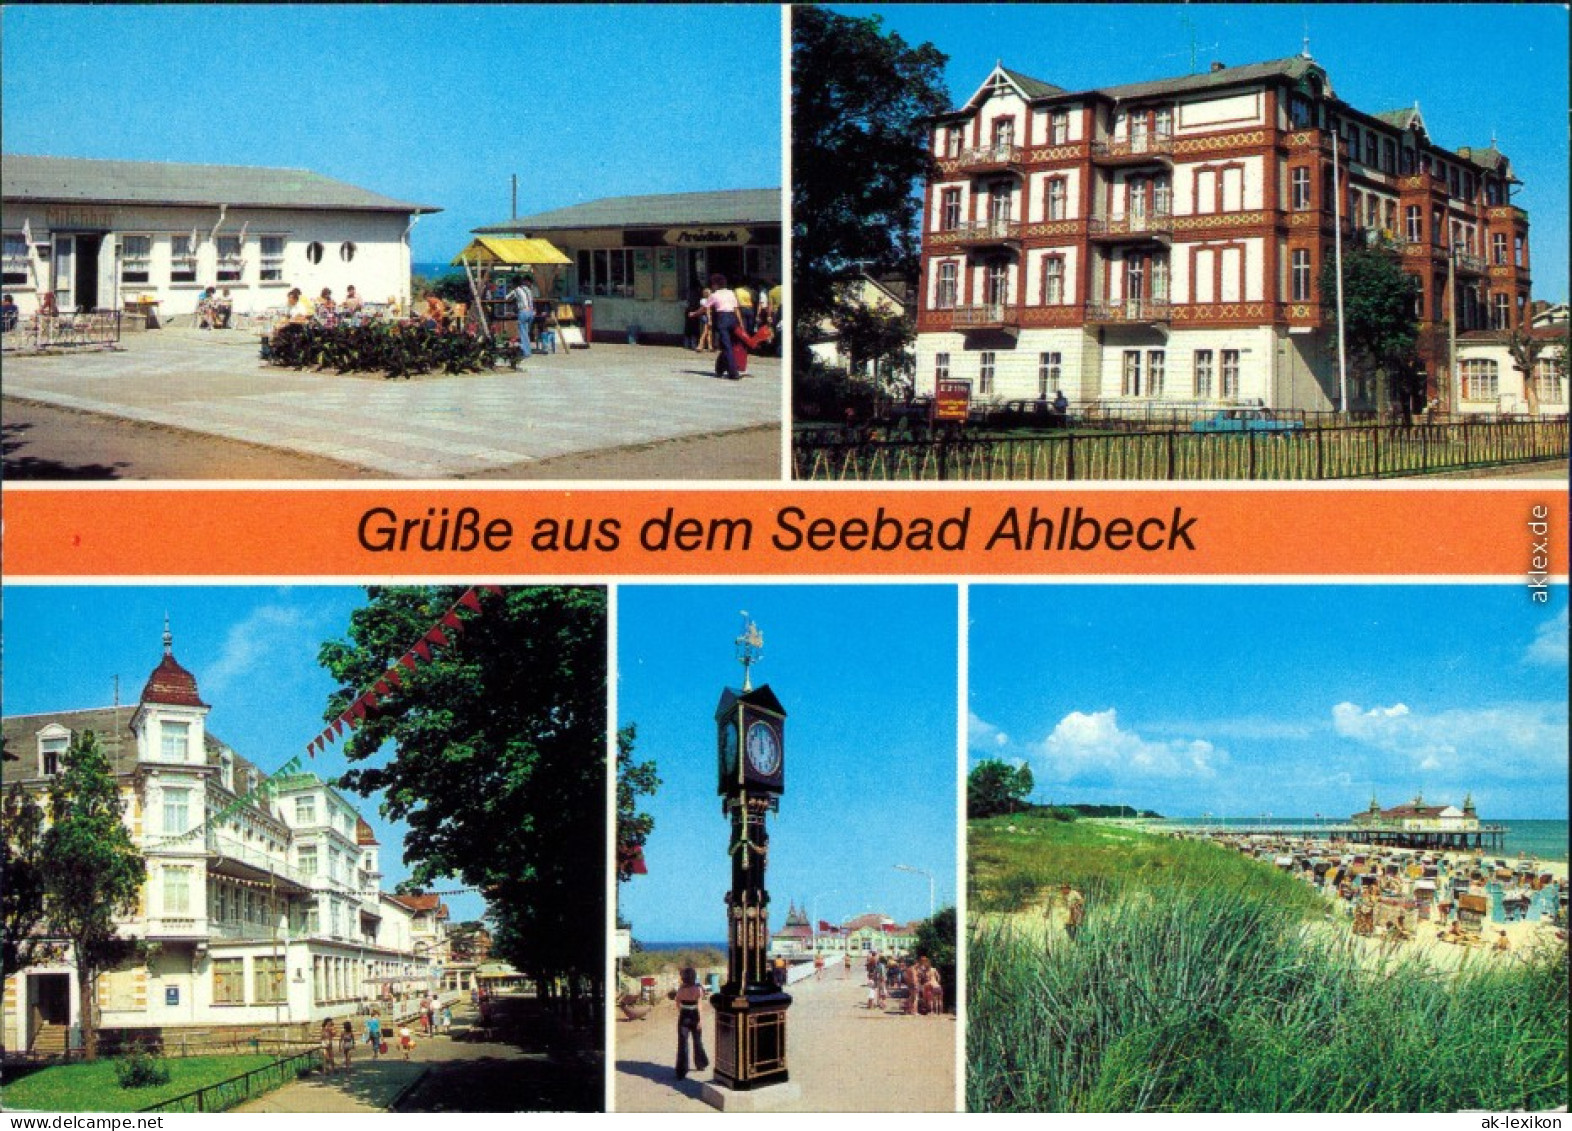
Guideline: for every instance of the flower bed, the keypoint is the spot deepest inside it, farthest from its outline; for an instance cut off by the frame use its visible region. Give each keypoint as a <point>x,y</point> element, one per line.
<point>395,349</point>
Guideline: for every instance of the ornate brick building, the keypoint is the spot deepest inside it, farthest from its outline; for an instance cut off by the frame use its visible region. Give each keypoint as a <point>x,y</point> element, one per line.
<point>1164,241</point>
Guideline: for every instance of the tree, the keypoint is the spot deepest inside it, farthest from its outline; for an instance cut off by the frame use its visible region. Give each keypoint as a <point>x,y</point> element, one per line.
<point>634,780</point>
<point>22,896</point>
<point>936,937</point>
<point>880,338</point>
<point>861,100</point>
<point>92,872</point>
<point>498,762</point>
<point>995,787</point>
<point>1526,349</point>
<point>1381,332</point>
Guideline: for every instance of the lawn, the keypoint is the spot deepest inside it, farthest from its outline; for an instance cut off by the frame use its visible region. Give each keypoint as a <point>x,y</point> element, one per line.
<point>1203,981</point>
<point>93,1087</point>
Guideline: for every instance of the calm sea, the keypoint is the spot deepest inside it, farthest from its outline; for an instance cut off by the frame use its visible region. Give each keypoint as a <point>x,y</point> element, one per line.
<point>433,270</point>
<point>1546,840</point>
<point>720,946</point>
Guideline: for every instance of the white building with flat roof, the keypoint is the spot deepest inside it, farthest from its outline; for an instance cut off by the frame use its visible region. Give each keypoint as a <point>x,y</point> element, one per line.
<point>104,234</point>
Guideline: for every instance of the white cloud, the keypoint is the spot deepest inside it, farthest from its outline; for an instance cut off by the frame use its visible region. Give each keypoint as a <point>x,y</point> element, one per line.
<point>269,633</point>
<point>1549,647</point>
<point>1094,746</point>
<point>1507,740</point>
<point>983,737</point>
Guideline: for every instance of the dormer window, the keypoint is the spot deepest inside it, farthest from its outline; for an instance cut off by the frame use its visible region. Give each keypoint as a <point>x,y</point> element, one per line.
<point>174,741</point>
<point>305,810</point>
<point>50,751</point>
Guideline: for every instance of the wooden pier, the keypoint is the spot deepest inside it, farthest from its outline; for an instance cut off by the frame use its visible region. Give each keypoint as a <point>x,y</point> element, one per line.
<point>1484,838</point>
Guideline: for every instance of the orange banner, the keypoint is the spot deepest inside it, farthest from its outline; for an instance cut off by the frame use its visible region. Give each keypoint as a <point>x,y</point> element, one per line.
<point>459,531</point>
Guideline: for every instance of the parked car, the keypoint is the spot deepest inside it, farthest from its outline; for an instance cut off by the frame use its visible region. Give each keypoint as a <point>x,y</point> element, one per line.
<point>1247,420</point>
<point>1028,414</point>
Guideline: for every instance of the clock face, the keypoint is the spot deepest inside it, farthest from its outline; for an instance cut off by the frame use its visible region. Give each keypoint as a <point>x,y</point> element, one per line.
<point>728,750</point>
<point>764,749</point>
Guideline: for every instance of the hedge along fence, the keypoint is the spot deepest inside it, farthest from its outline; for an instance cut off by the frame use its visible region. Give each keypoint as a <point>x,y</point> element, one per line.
<point>238,1089</point>
<point>1361,452</point>
<point>393,349</point>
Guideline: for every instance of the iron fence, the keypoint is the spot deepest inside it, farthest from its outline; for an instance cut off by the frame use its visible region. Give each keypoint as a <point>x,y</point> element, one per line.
<point>238,1089</point>
<point>98,328</point>
<point>1356,452</point>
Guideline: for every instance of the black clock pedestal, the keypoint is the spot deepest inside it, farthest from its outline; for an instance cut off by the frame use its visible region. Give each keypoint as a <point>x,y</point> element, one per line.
<point>750,1053</point>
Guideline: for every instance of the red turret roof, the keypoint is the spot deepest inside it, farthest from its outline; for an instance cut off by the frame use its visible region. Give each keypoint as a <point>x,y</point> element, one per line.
<point>171,685</point>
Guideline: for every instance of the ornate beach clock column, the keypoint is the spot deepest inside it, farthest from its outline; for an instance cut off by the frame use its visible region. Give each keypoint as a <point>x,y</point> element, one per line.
<point>750,1010</point>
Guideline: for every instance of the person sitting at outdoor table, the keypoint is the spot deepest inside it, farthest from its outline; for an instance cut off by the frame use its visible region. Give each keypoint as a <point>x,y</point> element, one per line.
<point>299,308</point>
<point>352,302</point>
<point>436,311</point>
<point>204,312</point>
<point>223,306</point>
<point>10,314</point>
<point>327,309</point>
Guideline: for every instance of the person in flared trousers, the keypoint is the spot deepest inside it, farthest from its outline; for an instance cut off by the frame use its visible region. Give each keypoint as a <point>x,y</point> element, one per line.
<point>689,1024</point>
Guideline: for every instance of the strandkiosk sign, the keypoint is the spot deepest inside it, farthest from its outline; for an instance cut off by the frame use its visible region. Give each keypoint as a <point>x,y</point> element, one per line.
<point>689,237</point>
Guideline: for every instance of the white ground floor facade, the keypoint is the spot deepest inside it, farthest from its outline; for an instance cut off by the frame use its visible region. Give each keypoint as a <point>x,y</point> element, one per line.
<point>1127,368</point>
<point>218,983</point>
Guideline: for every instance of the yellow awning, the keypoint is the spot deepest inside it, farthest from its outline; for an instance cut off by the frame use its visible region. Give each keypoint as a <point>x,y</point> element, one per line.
<point>511,253</point>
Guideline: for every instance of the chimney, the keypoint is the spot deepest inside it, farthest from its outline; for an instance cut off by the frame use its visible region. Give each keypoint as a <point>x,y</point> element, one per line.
<point>1217,67</point>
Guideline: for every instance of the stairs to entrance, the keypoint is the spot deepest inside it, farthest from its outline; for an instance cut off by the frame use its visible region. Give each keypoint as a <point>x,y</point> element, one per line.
<point>51,1040</point>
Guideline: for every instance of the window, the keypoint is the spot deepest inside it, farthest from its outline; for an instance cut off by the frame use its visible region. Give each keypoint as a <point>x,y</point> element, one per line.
<point>305,810</point>
<point>1437,226</point>
<point>1299,189</point>
<point>177,890</point>
<point>941,367</point>
<point>1500,312</point>
<point>314,252</point>
<point>229,981</point>
<point>1301,276</point>
<point>306,859</point>
<point>271,269</point>
<point>1372,155</point>
<point>1517,251</point>
<point>182,259</point>
<point>267,979</point>
<point>49,752</point>
<point>1550,380</point>
<point>1452,180</point>
<point>177,817</point>
<point>944,298</point>
<point>1203,373</point>
<point>1156,365</point>
<point>230,266</point>
<point>1053,280</point>
<point>950,210</point>
<point>985,374</point>
<point>1057,198</point>
<point>1388,155</point>
<point>1493,191</point>
<point>15,255</point>
<point>999,195</point>
<point>1231,374</point>
<point>952,141</point>
<point>1299,110</point>
<point>1481,379</point>
<point>1049,366</point>
<point>1164,122</point>
<point>174,741</point>
<point>1389,218</point>
<point>996,285</point>
<point>1498,249</point>
<point>607,272</point>
<point>1003,133</point>
<point>1407,159</point>
<point>346,251</point>
<point>136,259</point>
<point>1059,127</point>
<point>1131,386</point>
<point>1413,217</point>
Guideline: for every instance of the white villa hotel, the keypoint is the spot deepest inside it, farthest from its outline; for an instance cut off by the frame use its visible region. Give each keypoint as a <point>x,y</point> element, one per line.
<point>273,915</point>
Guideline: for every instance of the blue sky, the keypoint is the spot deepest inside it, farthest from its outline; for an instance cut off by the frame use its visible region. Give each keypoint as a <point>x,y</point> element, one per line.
<point>253,652</point>
<point>1291,700</point>
<point>427,103</point>
<point>867,676</point>
<point>1476,69</point>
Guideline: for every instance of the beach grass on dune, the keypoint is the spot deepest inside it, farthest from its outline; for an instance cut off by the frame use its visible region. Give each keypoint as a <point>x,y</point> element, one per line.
<point>1199,982</point>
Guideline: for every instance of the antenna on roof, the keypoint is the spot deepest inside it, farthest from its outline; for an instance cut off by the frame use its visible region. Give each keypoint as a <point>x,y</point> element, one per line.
<point>116,681</point>
<point>1305,51</point>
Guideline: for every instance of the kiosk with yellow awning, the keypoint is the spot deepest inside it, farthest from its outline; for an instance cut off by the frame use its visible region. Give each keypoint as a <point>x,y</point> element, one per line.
<point>488,257</point>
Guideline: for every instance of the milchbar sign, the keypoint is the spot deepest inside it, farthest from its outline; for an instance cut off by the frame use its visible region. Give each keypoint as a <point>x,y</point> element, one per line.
<point>78,218</point>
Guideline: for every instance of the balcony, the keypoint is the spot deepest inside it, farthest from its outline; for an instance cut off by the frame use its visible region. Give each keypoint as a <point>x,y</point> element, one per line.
<point>1470,264</point>
<point>1130,312</point>
<point>174,928</point>
<point>1000,158</point>
<point>230,856</point>
<point>1141,150</point>
<point>986,316</point>
<point>1153,225</point>
<point>1003,233</point>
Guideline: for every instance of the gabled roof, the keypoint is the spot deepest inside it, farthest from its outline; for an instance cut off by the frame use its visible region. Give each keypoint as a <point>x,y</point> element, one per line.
<point>1001,76</point>
<point>729,206</point>
<point>82,180</point>
<point>1294,68</point>
<point>1403,119</point>
<point>423,902</point>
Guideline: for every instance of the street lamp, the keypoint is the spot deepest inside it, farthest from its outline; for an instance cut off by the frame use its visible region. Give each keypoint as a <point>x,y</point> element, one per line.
<point>920,872</point>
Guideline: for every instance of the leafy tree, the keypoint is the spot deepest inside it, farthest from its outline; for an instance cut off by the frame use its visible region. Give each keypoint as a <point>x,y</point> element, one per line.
<point>92,871</point>
<point>861,100</point>
<point>1381,332</point>
<point>498,760</point>
<point>881,337</point>
<point>936,937</point>
<point>1526,349</point>
<point>634,780</point>
<point>995,786</point>
<point>22,896</point>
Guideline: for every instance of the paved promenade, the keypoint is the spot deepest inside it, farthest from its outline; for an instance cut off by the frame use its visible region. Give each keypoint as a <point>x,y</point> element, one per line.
<point>844,1057</point>
<point>428,427</point>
